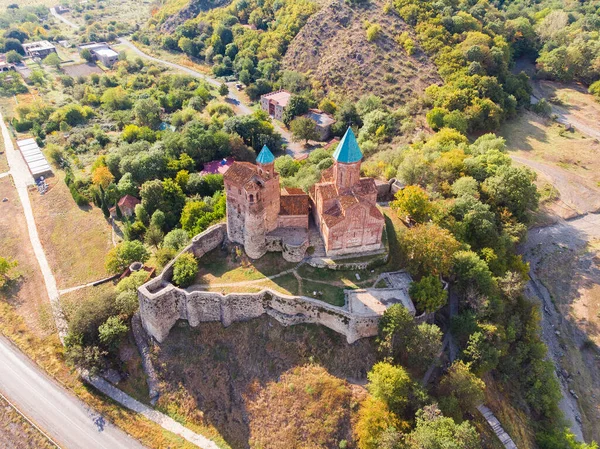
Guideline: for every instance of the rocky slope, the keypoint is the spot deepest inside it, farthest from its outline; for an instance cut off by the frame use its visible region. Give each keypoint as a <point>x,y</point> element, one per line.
<point>333,47</point>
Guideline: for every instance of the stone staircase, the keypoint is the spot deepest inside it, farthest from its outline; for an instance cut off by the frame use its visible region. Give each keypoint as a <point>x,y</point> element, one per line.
<point>504,437</point>
<point>316,241</point>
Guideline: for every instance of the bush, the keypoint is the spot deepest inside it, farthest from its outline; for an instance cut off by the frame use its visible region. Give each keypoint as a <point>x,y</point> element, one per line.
<point>124,254</point>
<point>373,32</point>
<point>176,240</point>
<point>111,332</point>
<point>185,270</point>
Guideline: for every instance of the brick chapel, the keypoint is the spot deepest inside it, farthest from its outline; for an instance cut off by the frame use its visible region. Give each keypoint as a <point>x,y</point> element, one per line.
<point>263,216</point>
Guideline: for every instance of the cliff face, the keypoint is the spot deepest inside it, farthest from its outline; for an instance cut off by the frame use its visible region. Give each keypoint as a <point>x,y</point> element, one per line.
<point>193,8</point>
<point>333,47</point>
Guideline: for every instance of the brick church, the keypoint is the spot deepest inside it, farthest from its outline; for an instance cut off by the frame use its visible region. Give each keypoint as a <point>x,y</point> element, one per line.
<point>263,216</point>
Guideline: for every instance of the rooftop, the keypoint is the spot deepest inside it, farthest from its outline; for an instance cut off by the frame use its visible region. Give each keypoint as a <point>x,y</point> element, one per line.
<point>265,156</point>
<point>281,97</point>
<point>320,118</point>
<point>348,151</point>
<point>39,45</point>
<point>217,167</point>
<point>106,52</point>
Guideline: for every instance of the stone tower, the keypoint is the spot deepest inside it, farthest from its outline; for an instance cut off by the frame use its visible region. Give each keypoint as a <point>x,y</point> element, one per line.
<point>270,194</point>
<point>347,158</point>
<point>262,205</point>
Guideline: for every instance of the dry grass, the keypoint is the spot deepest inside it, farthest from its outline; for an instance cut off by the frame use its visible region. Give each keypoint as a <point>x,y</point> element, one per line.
<point>17,433</point>
<point>28,295</point>
<point>306,404</point>
<point>240,360</point>
<point>513,420</point>
<point>3,162</point>
<point>76,240</point>
<point>533,137</point>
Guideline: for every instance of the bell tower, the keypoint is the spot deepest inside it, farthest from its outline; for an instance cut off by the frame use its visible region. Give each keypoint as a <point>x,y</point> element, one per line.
<point>347,159</point>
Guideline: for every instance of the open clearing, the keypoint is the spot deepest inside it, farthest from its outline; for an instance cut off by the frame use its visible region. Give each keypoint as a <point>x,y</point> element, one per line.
<point>28,296</point>
<point>567,160</point>
<point>76,240</point>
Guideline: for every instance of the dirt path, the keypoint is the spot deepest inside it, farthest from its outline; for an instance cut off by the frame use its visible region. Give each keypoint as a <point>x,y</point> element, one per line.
<point>562,330</point>
<point>577,196</point>
<point>583,115</point>
<point>22,180</point>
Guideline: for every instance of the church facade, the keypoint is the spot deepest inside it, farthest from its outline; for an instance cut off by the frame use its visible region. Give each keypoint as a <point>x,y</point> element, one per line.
<point>263,217</point>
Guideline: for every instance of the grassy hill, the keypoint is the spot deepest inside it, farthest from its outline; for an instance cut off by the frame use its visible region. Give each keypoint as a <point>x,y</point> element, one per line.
<point>334,49</point>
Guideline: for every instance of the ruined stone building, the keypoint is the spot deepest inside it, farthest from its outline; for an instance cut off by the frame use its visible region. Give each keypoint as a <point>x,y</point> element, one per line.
<point>265,217</point>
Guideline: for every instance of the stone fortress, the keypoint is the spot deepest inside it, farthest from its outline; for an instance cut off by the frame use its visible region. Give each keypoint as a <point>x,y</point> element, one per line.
<point>162,304</point>
<point>264,217</point>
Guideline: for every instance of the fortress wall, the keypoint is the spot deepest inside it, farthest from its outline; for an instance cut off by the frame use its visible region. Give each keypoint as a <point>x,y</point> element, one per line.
<point>162,303</point>
<point>160,311</point>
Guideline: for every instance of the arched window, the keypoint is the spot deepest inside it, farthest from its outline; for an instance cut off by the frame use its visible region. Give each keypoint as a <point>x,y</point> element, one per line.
<point>251,198</point>
<point>257,197</point>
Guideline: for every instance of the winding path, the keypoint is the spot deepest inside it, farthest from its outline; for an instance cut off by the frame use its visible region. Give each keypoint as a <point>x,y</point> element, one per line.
<point>63,19</point>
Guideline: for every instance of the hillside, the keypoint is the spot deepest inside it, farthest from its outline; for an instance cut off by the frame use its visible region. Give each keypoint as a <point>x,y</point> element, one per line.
<point>173,13</point>
<point>334,49</point>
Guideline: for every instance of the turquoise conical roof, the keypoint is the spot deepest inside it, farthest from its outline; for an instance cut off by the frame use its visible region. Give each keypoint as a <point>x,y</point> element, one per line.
<point>265,156</point>
<point>348,151</point>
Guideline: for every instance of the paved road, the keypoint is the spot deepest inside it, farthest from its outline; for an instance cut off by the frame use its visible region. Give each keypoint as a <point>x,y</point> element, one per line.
<point>67,420</point>
<point>63,19</point>
<point>241,108</point>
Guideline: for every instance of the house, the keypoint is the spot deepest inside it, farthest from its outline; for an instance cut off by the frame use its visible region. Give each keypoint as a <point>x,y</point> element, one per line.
<point>323,122</point>
<point>126,205</point>
<point>101,52</point>
<point>265,217</point>
<point>39,49</point>
<point>274,103</point>
<point>61,9</point>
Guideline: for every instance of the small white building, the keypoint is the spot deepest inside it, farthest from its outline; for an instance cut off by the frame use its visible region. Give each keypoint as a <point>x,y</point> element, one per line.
<point>274,103</point>
<point>102,52</point>
<point>39,49</point>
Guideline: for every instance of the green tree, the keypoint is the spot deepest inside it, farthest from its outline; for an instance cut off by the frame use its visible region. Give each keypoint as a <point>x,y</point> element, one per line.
<point>435,431</point>
<point>513,188</point>
<point>461,387</point>
<point>297,105</point>
<point>147,112</point>
<point>87,55</point>
<point>304,128</point>
<point>154,236</point>
<point>185,270</point>
<point>52,60</point>
<point>116,99</point>
<point>428,293</point>
<point>124,254</point>
<point>177,239</point>
<point>111,332</point>
<point>413,202</point>
<point>12,57</point>
<point>8,271</point>
<point>429,249</point>
<point>223,90</point>
<point>391,384</point>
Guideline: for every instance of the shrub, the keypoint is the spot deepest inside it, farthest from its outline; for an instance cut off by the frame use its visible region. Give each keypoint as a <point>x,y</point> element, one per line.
<point>111,332</point>
<point>124,254</point>
<point>373,32</point>
<point>185,270</point>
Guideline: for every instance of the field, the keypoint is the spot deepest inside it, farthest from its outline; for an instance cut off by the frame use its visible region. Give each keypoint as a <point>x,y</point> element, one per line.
<point>28,295</point>
<point>17,433</point>
<point>76,240</point>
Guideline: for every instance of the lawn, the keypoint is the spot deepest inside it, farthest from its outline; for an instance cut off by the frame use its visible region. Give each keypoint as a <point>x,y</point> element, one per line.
<point>219,267</point>
<point>76,240</point>
<point>3,162</point>
<point>28,295</point>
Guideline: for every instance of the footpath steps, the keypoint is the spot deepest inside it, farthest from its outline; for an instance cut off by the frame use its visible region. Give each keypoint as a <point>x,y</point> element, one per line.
<point>491,419</point>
